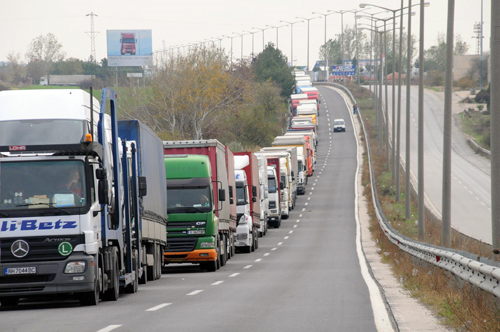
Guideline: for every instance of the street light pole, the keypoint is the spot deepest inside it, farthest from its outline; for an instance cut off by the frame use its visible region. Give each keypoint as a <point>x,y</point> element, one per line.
<point>408,116</point>
<point>421,211</point>
<point>291,40</point>
<point>263,40</point>
<point>326,48</point>
<point>241,54</point>
<point>252,32</point>
<point>308,19</point>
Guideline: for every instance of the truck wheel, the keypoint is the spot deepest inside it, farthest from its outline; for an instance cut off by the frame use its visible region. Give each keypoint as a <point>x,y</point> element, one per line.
<point>223,256</point>
<point>112,294</point>
<point>151,269</point>
<point>159,256</point>
<point>228,245</point>
<point>92,297</point>
<point>218,253</point>
<point>209,266</point>
<point>256,242</point>
<point>233,247</point>
<point>252,247</point>
<point>134,286</point>
<point>9,301</point>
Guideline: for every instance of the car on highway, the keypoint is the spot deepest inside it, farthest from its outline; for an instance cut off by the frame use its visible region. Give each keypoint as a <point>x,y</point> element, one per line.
<point>338,125</point>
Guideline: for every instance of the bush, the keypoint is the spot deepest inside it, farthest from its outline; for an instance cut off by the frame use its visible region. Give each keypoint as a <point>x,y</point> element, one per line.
<point>465,83</point>
<point>483,96</point>
<point>95,83</point>
<point>435,78</point>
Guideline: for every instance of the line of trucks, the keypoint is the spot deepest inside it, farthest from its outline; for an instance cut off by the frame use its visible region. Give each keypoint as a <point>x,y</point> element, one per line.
<point>91,206</point>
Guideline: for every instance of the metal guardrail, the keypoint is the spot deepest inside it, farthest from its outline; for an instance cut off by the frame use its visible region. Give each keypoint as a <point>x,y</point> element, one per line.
<point>479,271</point>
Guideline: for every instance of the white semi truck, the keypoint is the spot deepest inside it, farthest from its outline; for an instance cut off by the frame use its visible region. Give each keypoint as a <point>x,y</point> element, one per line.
<point>73,200</point>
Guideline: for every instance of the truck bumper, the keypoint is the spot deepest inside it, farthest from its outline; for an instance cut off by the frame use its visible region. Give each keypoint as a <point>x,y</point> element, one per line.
<point>195,256</point>
<point>48,279</point>
<point>243,236</point>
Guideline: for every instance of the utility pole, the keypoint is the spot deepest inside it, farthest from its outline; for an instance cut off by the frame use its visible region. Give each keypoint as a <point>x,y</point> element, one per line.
<point>408,117</point>
<point>494,123</point>
<point>92,34</point>
<point>446,207</point>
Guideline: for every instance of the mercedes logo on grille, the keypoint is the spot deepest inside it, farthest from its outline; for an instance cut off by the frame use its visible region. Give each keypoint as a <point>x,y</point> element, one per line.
<point>20,248</point>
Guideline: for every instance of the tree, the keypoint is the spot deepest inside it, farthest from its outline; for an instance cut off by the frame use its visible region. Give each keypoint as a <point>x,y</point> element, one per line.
<point>15,71</point>
<point>271,65</point>
<point>69,66</point>
<point>435,56</point>
<point>332,50</point>
<point>42,52</point>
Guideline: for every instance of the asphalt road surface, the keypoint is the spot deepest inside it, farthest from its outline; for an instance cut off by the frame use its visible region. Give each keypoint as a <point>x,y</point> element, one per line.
<point>305,276</point>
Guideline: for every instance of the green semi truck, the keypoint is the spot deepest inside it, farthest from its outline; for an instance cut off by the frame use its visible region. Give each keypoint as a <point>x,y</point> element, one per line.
<point>200,203</point>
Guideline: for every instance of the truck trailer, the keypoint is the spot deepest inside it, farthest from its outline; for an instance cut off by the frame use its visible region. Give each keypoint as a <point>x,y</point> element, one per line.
<point>200,227</point>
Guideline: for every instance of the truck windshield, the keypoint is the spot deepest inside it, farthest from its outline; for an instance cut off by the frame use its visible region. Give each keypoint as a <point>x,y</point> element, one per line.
<point>271,183</point>
<point>301,168</point>
<point>189,199</point>
<point>42,184</point>
<point>41,132</point>
<point>128,41</point>
<point>241,194</point>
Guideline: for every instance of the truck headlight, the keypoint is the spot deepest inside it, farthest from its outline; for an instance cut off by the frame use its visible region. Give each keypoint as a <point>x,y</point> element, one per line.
<point>207,245</point>
<point>75,267</point>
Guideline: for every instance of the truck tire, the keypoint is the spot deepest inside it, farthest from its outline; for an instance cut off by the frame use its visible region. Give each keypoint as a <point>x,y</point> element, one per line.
<point>209,266</point>
<point>112,294</point>
<point>228,245</point>
<point>256,242</point>
<point>223,256</point>
<point>252,247</point>
<point>218,252</point>
<point>9,301</point>
<point>159,261</point>
<point>92,297</point>
<point>134,285</point>
<point>151,269</point>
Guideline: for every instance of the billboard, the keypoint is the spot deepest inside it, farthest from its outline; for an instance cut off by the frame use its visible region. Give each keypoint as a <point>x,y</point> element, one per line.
<point>129,48</point>
<point>349,70</point>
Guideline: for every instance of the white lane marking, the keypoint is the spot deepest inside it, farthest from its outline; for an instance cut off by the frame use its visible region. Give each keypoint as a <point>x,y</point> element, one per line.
<point>195,292</point>
<point>291,231</point>
<point>109,328</point>
<point>285,238</point>
<point>298,220</point>
<point>163,305</point>
<point>308,198</point>
<point>258,259</point>
<point>248,266</point>
<point>274,249</point>
<point>294,226</point>
<point>306,204</point>
<point>310,193</point>
<point>303,209</point>
<point>300,216</point>
<point>320,172</point>
<point>280,243</point>
<point>312,188</point>
<point>266,254</point>
<point>217,283</point>
<point>381,317</point>
<point>233,275</point>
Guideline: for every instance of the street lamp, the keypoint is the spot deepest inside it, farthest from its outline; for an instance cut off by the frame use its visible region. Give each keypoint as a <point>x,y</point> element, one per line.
<point>341,12</point>
<point>308,19</point>
<point>230,37</point>
<point>241,54</point>
<point>281,26</point>
<point>253,33</point>
<point>326,48</point>
<point>291,39</point>
<point>263,47</point>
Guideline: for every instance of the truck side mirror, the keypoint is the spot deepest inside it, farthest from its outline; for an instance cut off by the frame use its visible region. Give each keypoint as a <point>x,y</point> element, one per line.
<point>222,195</point>
<point>103,189</point>
<point>293,176</point>
<point>100,174</point>
<point>254,191</point>
<point>282,185</point>
<point>231,200</point>
<point>143,186</point>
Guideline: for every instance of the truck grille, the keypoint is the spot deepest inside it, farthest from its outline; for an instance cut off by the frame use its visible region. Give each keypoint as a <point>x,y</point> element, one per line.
<point>43,248</point>
<point>26,278</point>
<point>186,224</point>
<point>181,244</point>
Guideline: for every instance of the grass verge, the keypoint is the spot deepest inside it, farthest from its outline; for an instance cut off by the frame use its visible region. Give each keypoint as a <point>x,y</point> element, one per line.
<point>458,304</point>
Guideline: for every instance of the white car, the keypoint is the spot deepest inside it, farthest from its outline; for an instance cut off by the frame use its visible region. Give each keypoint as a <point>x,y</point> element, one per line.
<point>338,125</point>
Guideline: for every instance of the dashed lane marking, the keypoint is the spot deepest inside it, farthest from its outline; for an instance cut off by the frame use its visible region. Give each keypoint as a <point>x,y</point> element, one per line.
<point>109,328</point>
<point>274,249</point>
<point>248,266</point>
<point>266,254</point>
<point>291,231</point>
<point>280,243</point>
<point>158,307</point>
<point>233,275</point>
<point>258,259</point>
<point>195,292</point>
<point>285,238</point>
<point>217,283</point>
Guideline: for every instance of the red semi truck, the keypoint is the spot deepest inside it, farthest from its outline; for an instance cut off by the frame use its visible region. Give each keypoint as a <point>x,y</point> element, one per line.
<point>128,42</point>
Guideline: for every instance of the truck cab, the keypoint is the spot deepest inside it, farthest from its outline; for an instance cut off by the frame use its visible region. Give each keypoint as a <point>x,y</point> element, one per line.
<point>274,216</point>
<point>244,229</point>
<point>128,42</point>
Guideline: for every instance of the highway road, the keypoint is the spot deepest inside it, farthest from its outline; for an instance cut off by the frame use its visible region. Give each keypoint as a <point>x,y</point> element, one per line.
<point>470,187</point>
<point>305,276</point>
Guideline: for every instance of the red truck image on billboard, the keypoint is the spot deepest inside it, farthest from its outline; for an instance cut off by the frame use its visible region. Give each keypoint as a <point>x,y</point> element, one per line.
<point>128,42</point>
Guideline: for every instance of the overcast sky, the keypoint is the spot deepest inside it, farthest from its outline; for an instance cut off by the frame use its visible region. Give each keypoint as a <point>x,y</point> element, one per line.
<point>176,23</point>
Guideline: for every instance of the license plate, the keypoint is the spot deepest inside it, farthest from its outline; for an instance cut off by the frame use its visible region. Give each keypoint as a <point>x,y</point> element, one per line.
<point>20,270</point>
